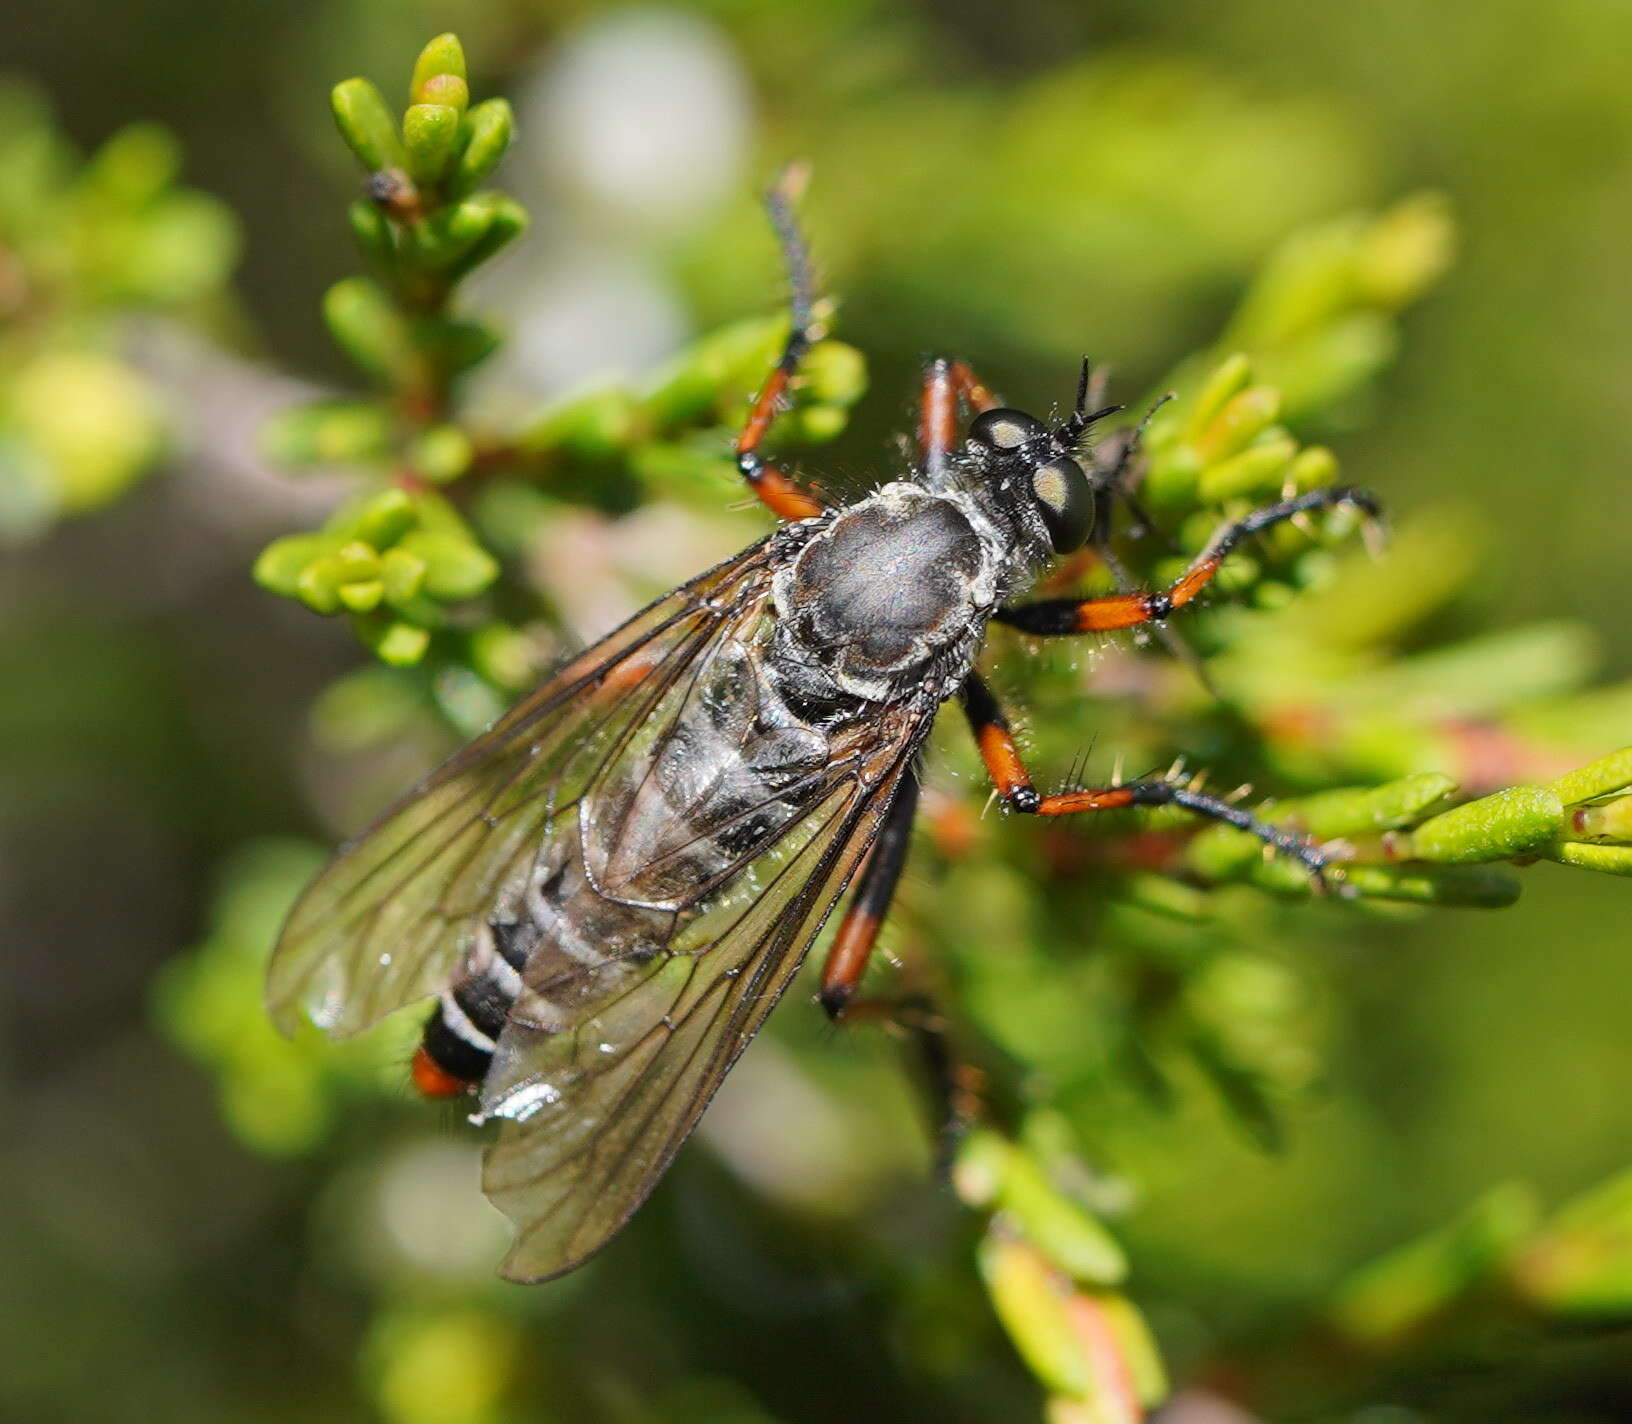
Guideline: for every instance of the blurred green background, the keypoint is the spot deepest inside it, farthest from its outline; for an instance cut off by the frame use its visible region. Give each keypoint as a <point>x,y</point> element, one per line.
<point>1100,177</point>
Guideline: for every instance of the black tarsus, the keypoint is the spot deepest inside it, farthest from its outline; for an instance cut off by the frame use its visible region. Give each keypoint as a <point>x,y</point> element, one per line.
<point>779,203</point>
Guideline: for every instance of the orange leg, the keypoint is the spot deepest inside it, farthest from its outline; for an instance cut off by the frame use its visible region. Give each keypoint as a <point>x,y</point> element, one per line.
<point>780,494</point>
<point>858,932</point>
<point>1013,782</point>
<point>1127,610</point>
<point>945,384</point>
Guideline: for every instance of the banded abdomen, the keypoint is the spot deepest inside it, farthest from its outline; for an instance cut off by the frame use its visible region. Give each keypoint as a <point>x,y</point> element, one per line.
<point>714,778</point>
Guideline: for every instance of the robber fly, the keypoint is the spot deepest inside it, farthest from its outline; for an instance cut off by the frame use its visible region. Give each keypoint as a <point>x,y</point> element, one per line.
<point>608,891</point>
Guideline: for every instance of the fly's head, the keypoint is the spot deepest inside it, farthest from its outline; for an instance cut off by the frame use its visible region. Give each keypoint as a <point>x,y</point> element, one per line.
<point>1030,472</point>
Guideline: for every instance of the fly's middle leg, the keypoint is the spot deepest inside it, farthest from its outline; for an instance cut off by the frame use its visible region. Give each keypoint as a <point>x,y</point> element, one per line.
<point>1014,784</point>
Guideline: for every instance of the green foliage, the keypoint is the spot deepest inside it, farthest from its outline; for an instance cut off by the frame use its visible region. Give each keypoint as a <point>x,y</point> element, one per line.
<point>423,227</point>
<point>1430,772</point>
<point>1139,1008</point>
<point>280,1098</point>
<point>86,248</point>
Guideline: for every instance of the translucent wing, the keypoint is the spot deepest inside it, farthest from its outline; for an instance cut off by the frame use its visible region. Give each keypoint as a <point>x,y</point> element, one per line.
<point>661,838</point>
<point>392,916</point>
<point>598,1106</point>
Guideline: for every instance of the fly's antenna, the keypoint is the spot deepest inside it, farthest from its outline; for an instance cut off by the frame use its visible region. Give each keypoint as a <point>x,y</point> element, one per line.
<point>781,199</point>
<point>1076,425</point>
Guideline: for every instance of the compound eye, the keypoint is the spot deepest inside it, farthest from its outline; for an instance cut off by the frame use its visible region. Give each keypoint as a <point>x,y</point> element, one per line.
<point>1005,429</point>
<point>1065,502</point>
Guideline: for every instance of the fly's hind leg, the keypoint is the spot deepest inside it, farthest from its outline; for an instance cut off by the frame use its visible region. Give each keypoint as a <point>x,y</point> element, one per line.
<point>954,1090</point>
<point>875,889</point>
<point>780,494</point>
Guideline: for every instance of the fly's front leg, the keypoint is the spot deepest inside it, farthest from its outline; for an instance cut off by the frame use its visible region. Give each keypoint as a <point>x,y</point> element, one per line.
<point>1128,610</point>
<point>780,494</point>
<point>858,931</point>
<point>1013,782</point>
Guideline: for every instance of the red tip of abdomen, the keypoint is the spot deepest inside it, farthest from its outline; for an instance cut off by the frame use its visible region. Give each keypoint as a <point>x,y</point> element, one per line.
<point>433,1080</point>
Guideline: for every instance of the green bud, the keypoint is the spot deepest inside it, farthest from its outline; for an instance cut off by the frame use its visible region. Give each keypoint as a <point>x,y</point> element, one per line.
<point>445,89</point>
<point>366,124</point>
<point>362,597</point>
<point>1069,1236</point>
<point>402,575</point>
<point>487,130</point>
<point>1227,380</point>
<point>442,56</point>
<point>1243,417</point>
<point>381,519</point>
<point>402,644</point>
<point>995,1173</point>
<point>1237,574</point>
<point>502,655</point>
<point>1193,536</point>
<point>452,231</point>
<point>328,432</point>
<point>95,420</point>
<point>1609,859</point>
<point>594,426</point>
<point>135,165</point>
<point>430,133</point>
<point>1314,468</point>
<point>1273,596</point>
<point>282,562</point>
<point>442,454</point>
<point>1597,778</point>
<point>1030,1299</point>
<point>724,366</point>
<point>363,709</point>
<point>817,424</point>
<point>832,374</point>
<point>458,342</point>
<point>1137,1346</point>
<point>1307,283</point>
<point>454,568</point>
<point>1367,810</point>
<point>373,234</point>
<point>1495,827</point>
<point>981,1166</point>
<point>1258,470</point>
<point>1173,474</point>
<point>1319,367</point>
<point>1602,821</point>
<point>1393,1296</point>
<point>1581,1262</point>
<point>507,221</point>
<point>368,328</point>
<point>1406,250</point>
<point>318,585</point>
<point>1468,887</point>
<point>358,560</point>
